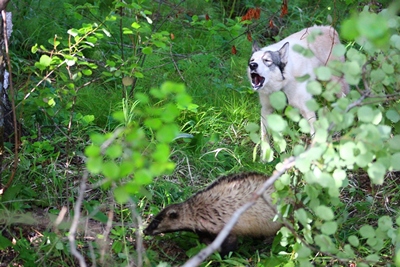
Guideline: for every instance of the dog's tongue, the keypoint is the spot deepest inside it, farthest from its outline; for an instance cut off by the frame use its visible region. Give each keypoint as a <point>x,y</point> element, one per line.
<point>257,80</point>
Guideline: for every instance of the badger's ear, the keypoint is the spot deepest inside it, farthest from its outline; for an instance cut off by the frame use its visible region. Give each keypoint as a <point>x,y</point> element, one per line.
<point>173,214</point>
<point>284,52</point>
<point>255,47</point>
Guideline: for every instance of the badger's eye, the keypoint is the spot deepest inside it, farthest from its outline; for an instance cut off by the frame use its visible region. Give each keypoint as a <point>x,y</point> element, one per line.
<point>173,215</point>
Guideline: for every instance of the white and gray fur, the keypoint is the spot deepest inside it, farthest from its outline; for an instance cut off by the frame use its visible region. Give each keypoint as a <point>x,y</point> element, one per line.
<point>277,66</point>
<point>207,212</point>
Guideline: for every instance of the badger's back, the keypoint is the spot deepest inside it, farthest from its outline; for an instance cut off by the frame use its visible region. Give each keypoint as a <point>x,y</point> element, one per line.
<point>213,207</point>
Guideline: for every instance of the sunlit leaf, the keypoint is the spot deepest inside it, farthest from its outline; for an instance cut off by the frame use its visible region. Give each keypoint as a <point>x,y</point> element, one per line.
<point>278,100</point>
<point>276,123</point>
<point>324,213</point>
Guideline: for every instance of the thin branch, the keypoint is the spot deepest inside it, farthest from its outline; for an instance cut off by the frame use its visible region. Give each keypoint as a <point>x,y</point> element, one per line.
<point>176,65</point>
<point>13,107</point>
<point>139,237</point>
<point>75,221</point>
<point>103,244</point>
<point>203,254</point>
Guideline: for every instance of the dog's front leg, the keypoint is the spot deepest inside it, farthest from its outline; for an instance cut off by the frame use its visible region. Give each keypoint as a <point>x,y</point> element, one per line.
<point>297,97</point>
<point>266,109</point>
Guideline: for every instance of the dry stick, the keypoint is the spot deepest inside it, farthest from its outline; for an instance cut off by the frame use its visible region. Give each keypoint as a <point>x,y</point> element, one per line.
<point>106,233</point>
<point>139,238</point>
<point>203,254</point>
<point>176,65</point>
<point>16,145</point>
<point>75,221</point>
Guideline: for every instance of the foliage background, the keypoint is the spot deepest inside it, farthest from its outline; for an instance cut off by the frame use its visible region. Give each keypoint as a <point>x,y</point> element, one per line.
<point>92,94</point>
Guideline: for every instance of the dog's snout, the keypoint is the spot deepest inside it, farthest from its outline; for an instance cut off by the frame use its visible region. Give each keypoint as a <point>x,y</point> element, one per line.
<point>253,65</point>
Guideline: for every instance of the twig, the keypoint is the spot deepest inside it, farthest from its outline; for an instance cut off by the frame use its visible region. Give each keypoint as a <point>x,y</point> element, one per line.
<point>75,221</point>
<point>12,96</point>
<point>203,254</point>
<point>139,238</point>
<point>176,66</point>
<point>104,242</point>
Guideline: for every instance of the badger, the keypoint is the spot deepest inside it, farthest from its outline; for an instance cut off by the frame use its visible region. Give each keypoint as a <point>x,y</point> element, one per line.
<point>207,212</point>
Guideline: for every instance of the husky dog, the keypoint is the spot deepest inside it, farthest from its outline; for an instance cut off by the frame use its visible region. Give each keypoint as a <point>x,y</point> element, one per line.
<point>277,66</point>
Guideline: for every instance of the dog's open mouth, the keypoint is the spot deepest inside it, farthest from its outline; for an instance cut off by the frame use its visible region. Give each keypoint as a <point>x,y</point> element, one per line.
<point>257,81</point>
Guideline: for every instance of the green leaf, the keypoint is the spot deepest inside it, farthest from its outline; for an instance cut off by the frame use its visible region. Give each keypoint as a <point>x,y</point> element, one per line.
<point>312,104</point>
<point>329,228</point>
<point>304,126</point>
<point>393,115</point>
<point>167,133</point>
<point>135,25</point>
<point>94,164</point>
<point>349,30</point>
<point>4,242</point>
<point>395,161</point>
<point>372,258</point>
<point>365,114</point>
<point>87,72</point>
<point>252,127</point>
<point>353,240</point>
<point>323,73</point>
<point>385,223</point>
<point>121,196</point>
<point>268,154</point>
<point>367,231</point>
<point>303,51</point>
<point>162,152</point>
<point>339,50</point>
<point>376,172</point>
<point>276,123</point>
<point>302,217</point>
<point>378,75</point>
<point>364,159</point>
<point>143,177</point>
<point>278,100</point>
<point>304,251</point>
<point>73,32</point>
<point>110,169</point>
<point>92,151</point>
<point>320,136</point>
<point>352,71</point>
<point>170,113</point>
<point>34,49</point>
<point>325,243</point>
<point>292,113</point>
<point>324,213</point>
<point>339,175</point>
<point>114,151</point>
<point>348,252</point>
<point>45,60</point>
<point>346,151</point>
<point>394,143</point>
<point>147,50</point>
<point>126,168</point>
<point>59,246</point>
<point>153,123</point>
<point>314,88</point>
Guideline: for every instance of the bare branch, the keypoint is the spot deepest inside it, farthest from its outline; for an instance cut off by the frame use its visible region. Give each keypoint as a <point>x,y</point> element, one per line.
<point>139,237</point>
<point>203,254</point>
<point>75,221</point>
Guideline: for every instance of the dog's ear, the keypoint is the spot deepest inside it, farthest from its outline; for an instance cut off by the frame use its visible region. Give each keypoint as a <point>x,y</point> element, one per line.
<point>284,52</point>
<point>255,47</point>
